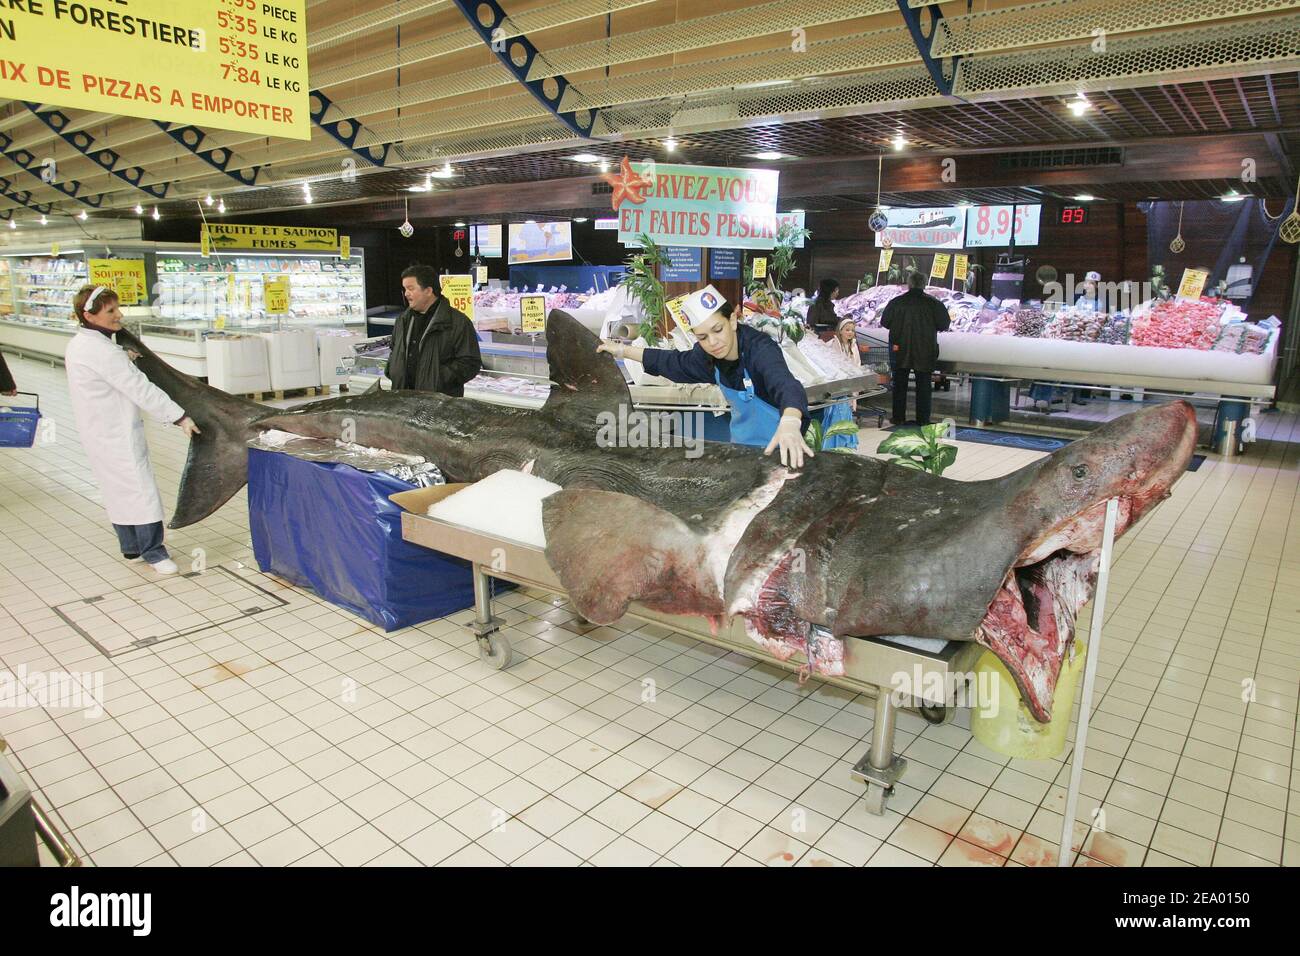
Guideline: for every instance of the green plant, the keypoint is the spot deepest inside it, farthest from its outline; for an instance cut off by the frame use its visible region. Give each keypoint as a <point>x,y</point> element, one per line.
<point>868,281</point>
<point>643,285</point>
<point>816,435</point>
<point>920,448</point>
<point>783,254</point>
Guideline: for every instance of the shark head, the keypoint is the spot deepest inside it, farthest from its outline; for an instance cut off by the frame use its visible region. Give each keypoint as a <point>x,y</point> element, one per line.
<point>1059,506</point>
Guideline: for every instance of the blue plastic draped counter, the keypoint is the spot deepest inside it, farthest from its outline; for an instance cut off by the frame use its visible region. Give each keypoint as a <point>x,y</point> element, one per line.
<point>331,528</point>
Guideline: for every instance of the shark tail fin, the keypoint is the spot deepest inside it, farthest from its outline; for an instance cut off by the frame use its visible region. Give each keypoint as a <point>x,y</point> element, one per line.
<point>217,465</point>
<point>584,382</point>
<point>610,549</point>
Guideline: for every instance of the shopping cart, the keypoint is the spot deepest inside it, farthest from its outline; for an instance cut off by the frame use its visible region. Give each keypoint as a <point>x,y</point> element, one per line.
<point>18,422</point>
<point>875,356</point>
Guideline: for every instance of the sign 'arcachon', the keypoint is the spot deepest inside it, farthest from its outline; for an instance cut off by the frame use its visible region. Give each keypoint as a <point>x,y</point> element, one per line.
<point>225,64</point>
<point>695,205</point>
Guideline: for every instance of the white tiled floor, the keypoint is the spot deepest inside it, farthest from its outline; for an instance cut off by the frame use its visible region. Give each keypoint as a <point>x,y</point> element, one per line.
<point>237,745</point>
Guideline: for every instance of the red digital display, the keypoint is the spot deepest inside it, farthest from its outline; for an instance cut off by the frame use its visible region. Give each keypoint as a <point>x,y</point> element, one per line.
<point>458,235</point>
<point>1074,215</point>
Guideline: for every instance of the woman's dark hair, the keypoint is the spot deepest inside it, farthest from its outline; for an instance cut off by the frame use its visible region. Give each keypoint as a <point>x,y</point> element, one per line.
<point>827,288</point>
<point>424,275</point>
<point>101,300</point>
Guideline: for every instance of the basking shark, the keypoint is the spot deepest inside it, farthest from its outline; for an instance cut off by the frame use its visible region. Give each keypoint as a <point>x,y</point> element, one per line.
<point>847,547</point>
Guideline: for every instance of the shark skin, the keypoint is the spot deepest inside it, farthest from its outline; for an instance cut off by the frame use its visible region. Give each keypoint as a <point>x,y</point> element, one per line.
<point>847,547</point>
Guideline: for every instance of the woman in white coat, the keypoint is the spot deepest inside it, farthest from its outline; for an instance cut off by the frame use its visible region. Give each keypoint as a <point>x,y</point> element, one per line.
<point>108,395</point>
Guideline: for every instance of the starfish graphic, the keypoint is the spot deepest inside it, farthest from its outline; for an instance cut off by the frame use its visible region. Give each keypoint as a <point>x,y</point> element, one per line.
<point>627,184</point>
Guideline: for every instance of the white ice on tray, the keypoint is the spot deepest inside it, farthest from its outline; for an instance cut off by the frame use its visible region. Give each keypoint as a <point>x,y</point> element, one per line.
<point>505,504</point>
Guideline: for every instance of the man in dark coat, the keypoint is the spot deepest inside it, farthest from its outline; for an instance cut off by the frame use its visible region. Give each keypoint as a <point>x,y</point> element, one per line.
<point>914,320</point>
<point>435,348</point>
<point>7,384</point>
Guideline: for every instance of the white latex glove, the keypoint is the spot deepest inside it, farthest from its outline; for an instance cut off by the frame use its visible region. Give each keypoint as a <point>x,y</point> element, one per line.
<point>789,439</point>
<point>187,425</point>
<point>613,348</point>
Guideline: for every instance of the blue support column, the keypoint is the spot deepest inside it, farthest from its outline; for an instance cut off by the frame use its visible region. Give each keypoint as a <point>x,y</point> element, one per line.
<point>990,401</point>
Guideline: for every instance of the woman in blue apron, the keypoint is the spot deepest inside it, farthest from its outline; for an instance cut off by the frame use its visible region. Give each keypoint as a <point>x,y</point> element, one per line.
<point>769,408</point>
<point>846,342</point>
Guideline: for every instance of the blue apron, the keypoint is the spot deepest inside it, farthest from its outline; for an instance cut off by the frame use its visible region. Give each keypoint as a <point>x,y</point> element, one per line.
<point>753,421</point>
<point>839,412</point>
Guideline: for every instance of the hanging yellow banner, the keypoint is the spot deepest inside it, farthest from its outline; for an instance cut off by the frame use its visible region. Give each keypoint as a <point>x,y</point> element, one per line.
<point>275,295</point>
<point>123,276</point>
<point>939,268</point>
<point>215,64</point>
<point>532,313</point>
<point>221,236</point>
<point>459,291</point>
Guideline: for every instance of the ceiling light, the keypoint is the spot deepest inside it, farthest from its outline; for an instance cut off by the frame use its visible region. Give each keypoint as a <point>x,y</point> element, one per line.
<point>899,141</point>
<point>82,215</point>
<point>585,158</point>
<point>44,221</point>
<point>670,144</point>
<point>604,166</point>
<point>1231,196</point>
<point>221,205</point>
<point>460,225</point>
<point>963,205</point>
<point>883,206</point>
<point>13,224</point>
<point>444,173</point>
<point>208,199</point>
<point>155,213</point>
<point>139,210</point>
<point>1079,105</point>
<point>1084,197</point>
<point>769,155</point>
<point>796,212</point>
<point>581,219</point>
<point>530,222</point>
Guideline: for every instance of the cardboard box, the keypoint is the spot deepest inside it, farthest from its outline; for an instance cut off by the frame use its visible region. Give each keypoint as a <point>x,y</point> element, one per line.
<point>418,500</point>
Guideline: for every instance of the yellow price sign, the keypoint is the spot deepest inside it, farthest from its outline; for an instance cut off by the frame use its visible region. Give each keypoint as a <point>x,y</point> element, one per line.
<point>1193,283</point>
<point>939,268</point>
<point>480,275</point>
<point>345,247</point>
<point>674,307</point>
<point>123,276</point>
<point>532,313</point>
<point>54,248</point>
<point>459,291</point>
<point>238,66</point>
<point>275,295</point>
<point>760,267</point>
<point>886,257</point>
<point>961,268</point>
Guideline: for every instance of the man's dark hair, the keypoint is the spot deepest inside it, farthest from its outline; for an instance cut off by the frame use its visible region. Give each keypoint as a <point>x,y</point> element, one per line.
<point>424,275</point>
<point>915,280</point>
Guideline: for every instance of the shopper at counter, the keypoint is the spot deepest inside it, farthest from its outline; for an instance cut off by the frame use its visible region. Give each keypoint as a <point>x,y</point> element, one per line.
<point>768,405</point>
<point>7,384</point>
<point>108,395</point>
<point>914,320</point>
<point>435,347</point>
<point>821,314</point>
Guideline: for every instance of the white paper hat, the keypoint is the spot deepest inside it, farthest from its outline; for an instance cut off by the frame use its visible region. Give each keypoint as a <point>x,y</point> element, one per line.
<point>701,304</point>
<point>1092,277</point>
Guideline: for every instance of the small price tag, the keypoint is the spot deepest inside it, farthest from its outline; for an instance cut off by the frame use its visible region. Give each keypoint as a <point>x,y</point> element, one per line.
<point>760,268</point>
<point>886,257</point>
<point>959,270</point>
<point>939,268</point>
<point>480,275</point>
<point>345,247</point>
<point>532,313</point>
<point>1193,283</point>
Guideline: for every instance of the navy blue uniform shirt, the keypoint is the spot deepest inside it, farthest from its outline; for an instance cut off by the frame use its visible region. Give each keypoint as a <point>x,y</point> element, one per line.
<point>759,354</point>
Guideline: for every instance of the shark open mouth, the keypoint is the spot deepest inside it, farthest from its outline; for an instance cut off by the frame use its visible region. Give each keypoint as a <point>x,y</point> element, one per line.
<point>1030,621</point>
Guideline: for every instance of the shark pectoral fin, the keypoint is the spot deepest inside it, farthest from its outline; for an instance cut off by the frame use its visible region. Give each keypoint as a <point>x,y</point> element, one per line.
<point>583,381</point>
<point>610,549</point>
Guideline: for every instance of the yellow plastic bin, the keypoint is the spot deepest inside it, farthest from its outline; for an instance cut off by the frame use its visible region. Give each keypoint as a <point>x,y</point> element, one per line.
<point>1004,724</point>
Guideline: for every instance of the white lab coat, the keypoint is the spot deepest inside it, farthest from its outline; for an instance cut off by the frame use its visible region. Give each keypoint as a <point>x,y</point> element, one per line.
<point>108,394</point>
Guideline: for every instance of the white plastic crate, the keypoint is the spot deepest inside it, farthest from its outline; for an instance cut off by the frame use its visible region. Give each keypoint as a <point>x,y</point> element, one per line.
<point>239,364</point>
<point>293,359</point>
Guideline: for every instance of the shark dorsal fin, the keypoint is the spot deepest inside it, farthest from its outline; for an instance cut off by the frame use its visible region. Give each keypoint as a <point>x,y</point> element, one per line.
<point>372,388</point>
<point>583,381</point>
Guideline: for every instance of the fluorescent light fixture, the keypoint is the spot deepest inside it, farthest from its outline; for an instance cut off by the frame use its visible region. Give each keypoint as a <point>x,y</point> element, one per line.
<point>581,219</point>
<point>155,213</point>
<point>796,211</point>
<point>444,173</point>
<point>1231,196</point>
<point>769,155</point>
<point>670,144</point>
<point>585,158</point>
<point>1084,197</point>
<point>1079,105</point>
<point>460,225</point>
<point>530,222</point>
<point>899,141</point>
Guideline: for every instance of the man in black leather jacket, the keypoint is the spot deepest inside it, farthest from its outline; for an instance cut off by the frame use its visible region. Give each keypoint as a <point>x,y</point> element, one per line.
<point>435,348</point>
